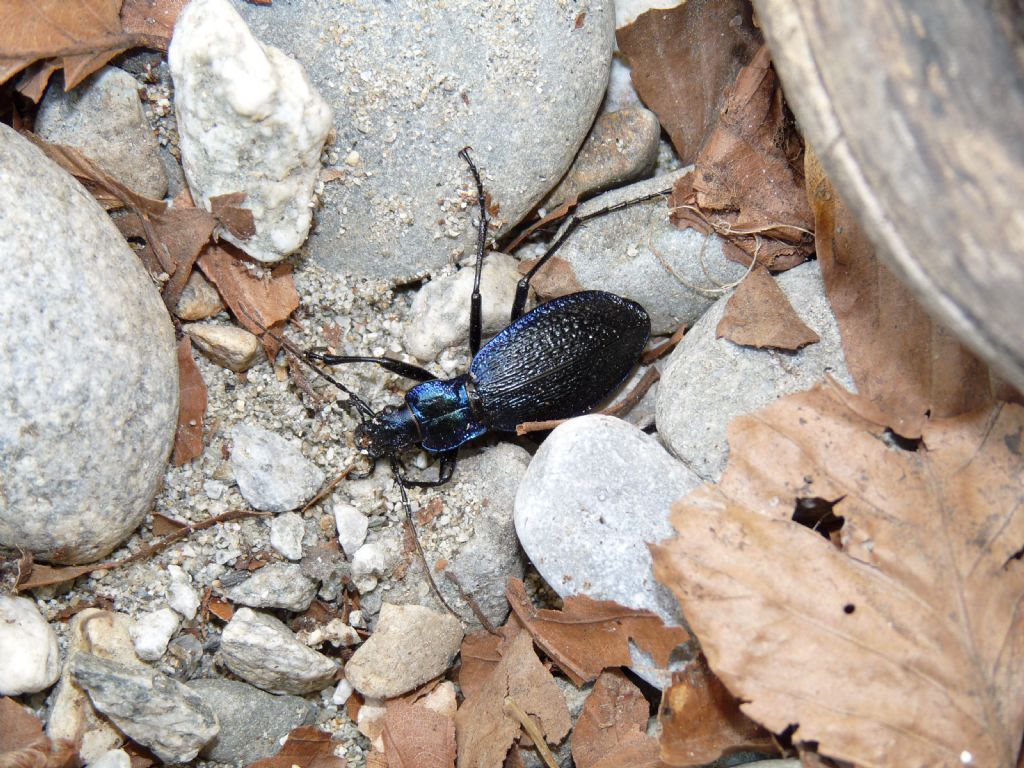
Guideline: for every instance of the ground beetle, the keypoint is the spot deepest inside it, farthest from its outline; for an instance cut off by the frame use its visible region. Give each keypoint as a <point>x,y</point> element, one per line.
<point>557,361</point>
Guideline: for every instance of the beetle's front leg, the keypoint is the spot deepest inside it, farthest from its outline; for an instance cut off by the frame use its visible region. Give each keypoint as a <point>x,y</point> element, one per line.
<point>444,472</point>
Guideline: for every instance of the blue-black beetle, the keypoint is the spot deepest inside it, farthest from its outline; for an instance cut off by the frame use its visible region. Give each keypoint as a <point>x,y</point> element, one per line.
<point>557,361</point>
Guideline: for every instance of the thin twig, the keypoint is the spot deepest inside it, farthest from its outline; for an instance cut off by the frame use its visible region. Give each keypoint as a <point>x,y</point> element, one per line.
<point>512,709</point>
<point>665,347</point>
<point>473,605</point>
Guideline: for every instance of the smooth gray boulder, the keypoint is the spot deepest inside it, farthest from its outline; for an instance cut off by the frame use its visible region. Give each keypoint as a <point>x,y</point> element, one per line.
<point>410,84</point>
<point>88,371</point>
<point>708,382</point>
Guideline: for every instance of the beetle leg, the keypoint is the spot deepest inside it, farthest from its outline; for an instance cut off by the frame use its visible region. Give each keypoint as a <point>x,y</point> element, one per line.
<point>475,324</point>
<point>408,370</point>
<point>523,287</point>
<point>444,473</point>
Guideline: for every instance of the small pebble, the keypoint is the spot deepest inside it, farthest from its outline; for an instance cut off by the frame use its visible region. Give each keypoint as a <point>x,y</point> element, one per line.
<point>180,594</point>
<point>115,758</point>
<point>328,566</point>
<point>286,532</point>
<point>199,300</point>
<point>29,655</point>
<point>352,526</point>
<point>369,563</point>
<point>152,631</point>
<point>226,345</point>
<point>271,472</point>
<point>263,651</point>
<point>409,646</point>
<point>340,696</point>
<point>277,585</point>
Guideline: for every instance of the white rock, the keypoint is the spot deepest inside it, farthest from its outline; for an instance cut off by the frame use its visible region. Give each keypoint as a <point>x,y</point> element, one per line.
<point>439,317</point>
<point>250,122</point>
<point>369,563</point>
<point>272,474</point>
<point>152,631</point>
<point>277,585</point>
<point>180,594</point>
<point>226,345</point>
<point>263,651</point>
<point>352,527</point>
<point>29,656</point>
<point>115,758</point>
<point>341,693</point>
<point>286,532</point>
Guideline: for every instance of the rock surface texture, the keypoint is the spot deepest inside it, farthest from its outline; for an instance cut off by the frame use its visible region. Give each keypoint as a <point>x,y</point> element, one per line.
<point>88,373</point>
<point>249,121</point>
<point>707,381</point>
<point>411,83</point>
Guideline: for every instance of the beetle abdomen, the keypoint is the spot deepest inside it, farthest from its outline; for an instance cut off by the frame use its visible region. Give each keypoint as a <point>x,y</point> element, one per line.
<point>560,360</point>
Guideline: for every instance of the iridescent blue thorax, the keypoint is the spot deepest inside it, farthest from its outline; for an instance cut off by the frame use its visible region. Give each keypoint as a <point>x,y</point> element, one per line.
<point>443,410</point>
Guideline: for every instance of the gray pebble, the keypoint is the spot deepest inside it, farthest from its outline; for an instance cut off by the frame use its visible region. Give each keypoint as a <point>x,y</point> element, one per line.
<point>149,707</point>
<point>249,121</point>
<point>263,651</point>
<point>180,594</point>
<point>286,532</point>
<point>328,566</point>
<point>709,381</point>
<point>182,658</point>
<point>252,723</point>
<point>622,146</point>
<point>228,346</point>
<point>103,118</point>
<point>352,526</point>
<point>272,474</point>
<point>409,646</point>
<point>369,563</point>
<point>152,631</point>
<point>277,585</point>
<point>595,495</point>
<point>88,370</point>
<point>674,274</point>
<point>29,655</point>
<point>518,82</point>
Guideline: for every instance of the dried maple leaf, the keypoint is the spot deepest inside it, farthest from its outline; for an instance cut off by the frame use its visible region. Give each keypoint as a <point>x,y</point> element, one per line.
<point>709,41</point>
<point>485,727</point>
<point>80,37</point>
<point>906,645</point>
<point>188,439</point>
<point>259,297</point>
<point>903,361</point>
<point>612,728</point>
<point>701,721</point>
<point>306,746</point>
<point>588,636</point>
<point>758,314</point>
<point>747,184</point>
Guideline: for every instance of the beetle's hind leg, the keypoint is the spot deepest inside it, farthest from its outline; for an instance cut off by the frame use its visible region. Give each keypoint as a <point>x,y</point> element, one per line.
<point>408,370</point>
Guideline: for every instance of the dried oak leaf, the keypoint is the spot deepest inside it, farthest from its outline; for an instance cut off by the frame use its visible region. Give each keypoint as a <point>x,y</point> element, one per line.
<point>23,743</point>
<point>612,728</point>
<point>758,314</point>
<point>701,721</point>
<point>80,37</point>
<point>416,736</point>
<point>306,746</point>
<point>587,636</point>
<point>681,61</point>
<point>260,297</point>
<point>747,184</point>
<point>556,278</point>
<point>227,209</point>
<point>906,645</point>
<point>192,399</point>
<point>153,18</point>
<point>484,727</point>
<point>480,653</point>
<point>903,361</point>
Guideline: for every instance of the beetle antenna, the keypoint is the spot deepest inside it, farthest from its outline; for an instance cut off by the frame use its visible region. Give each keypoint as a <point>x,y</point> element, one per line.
<point>361,405</point>
<point>415,537</point>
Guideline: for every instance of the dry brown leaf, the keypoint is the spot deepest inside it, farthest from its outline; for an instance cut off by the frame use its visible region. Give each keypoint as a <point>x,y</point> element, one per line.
<point>227,209</point>
<point>903,361</point>
<point>82,36</point>
<point>188,439</point>
<point>612,728</point>
<point>45,575</point>
<point>747,184</point>
<point>153,18</point>
<point>164,525</point>
<point>417,737</point>
<point>905,646</point>
<point>23,743</point>
<point>306,746</point>
<point>257,295</point>
<point>758,314</point>
<point>682,59</point>
<point>484,729</point>
<point>480,653</point>
<point>701,721</point>
<point>556,278</point>
<point>588,636</point>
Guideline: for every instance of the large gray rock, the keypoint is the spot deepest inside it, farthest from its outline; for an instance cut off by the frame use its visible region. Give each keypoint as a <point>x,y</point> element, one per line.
<point>674,274</point>
<point>709,381</point>
<point>250,122</point>
<point>88,372</point>
<point>252,722</point>
<point>411,83</point>
<point>596,494</point>
<point>103,117</point>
